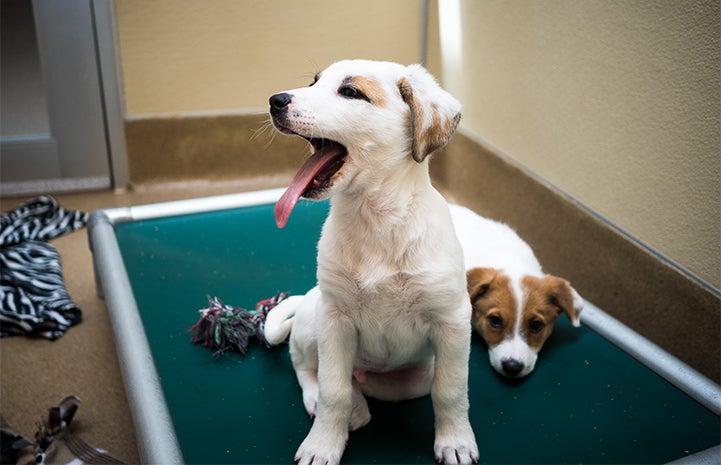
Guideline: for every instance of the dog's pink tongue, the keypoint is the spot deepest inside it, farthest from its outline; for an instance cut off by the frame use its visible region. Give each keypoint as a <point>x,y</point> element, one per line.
<point>319,160</point>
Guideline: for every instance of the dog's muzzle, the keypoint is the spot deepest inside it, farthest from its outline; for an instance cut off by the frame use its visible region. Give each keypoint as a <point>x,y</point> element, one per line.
<point>317,173</point>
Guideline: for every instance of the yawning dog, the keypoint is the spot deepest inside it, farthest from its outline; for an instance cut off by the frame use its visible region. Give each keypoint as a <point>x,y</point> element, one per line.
<point>391,315</point>
<point>514,303</point>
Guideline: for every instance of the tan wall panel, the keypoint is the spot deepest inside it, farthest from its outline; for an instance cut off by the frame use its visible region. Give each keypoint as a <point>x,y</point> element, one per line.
<point>606,267</point>
<point>189,55</point>
<point>617,102</point>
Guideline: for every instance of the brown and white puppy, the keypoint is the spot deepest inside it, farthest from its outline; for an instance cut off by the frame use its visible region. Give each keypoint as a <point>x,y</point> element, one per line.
<point>514,303</point>
<point>390,317</point>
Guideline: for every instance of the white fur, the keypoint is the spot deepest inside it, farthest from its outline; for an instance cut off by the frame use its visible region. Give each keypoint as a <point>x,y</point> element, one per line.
<point>391,296</point>
<point>489,244</point>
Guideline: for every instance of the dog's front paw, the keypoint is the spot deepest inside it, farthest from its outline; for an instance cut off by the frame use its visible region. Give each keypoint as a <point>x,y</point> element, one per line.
<point>321,448</point>
<point>456,448</point>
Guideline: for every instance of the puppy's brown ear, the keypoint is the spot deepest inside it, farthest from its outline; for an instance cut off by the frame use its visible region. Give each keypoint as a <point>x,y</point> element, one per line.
<point>563,295</point>
<point>434,112</point>
<point>479,281</point>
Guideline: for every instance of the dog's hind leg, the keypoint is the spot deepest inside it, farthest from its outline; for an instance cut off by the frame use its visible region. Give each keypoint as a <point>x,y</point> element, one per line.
<point>360,415</point>
<point>304,355</point>
<point>304,349</point>
<point>308,380</point>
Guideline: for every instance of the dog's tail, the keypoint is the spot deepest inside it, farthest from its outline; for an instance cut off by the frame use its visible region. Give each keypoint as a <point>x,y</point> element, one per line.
<point>279,321</point>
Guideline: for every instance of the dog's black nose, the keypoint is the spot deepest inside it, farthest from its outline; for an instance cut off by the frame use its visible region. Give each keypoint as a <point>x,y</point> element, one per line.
<point>512,367</point>
<point>280,101</point>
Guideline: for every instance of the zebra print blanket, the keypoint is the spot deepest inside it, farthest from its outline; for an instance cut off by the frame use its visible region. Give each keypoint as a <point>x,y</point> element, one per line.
<point>33,298</point>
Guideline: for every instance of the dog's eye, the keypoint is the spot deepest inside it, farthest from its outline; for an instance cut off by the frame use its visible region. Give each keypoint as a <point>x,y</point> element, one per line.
<point>495,321</point>
<point>535,326</point>
<point>352,93</point>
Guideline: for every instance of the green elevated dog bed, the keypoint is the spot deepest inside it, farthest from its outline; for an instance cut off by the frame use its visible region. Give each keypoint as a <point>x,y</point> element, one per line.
<point>588,401</point>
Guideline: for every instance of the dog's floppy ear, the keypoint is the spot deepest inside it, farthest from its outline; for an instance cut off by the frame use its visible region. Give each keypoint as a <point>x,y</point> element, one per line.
<point>479,281</point>
<point>434,112</point>
<point>563,295</point>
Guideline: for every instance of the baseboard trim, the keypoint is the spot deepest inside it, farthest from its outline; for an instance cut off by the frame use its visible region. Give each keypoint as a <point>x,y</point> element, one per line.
<point>55,186</point>
<point>208,145</point>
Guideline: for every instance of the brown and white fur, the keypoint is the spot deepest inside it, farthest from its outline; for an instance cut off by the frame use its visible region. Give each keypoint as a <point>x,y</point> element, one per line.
<point>515,304</point>
<point>390,317</point>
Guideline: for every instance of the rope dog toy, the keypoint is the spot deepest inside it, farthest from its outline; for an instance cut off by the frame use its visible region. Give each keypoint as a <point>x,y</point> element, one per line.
<point>222,327</point>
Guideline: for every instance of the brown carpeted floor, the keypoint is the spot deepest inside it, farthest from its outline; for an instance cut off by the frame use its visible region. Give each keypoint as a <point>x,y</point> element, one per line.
<point>36,373</point>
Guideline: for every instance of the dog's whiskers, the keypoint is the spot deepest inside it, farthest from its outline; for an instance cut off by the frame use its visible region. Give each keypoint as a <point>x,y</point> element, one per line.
<point>263,131</point>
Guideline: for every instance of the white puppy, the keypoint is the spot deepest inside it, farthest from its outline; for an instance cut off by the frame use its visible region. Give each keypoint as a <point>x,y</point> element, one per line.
<point>515,304</point>
<point>391,315</point>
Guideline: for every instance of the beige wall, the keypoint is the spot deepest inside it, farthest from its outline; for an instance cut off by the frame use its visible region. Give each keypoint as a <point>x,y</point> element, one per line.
<point>614,101</point>
<point>193,55</point>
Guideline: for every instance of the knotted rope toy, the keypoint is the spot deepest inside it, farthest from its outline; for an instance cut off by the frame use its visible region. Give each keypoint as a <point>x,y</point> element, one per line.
<point>222,327</point>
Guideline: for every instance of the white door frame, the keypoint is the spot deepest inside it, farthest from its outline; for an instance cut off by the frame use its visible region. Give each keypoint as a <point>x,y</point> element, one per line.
<point>85,150</point>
